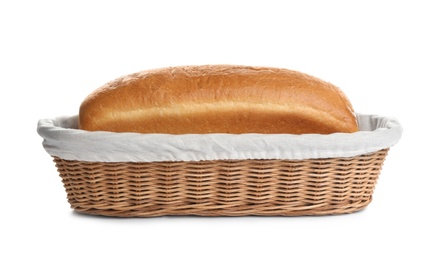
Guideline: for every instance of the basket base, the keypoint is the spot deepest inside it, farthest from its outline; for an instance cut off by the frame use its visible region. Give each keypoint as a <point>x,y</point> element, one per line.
<point>222,188</point>
<point>231,212</point>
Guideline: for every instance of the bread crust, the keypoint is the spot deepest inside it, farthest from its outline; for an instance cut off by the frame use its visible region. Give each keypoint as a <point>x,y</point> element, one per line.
<point>218,99</point>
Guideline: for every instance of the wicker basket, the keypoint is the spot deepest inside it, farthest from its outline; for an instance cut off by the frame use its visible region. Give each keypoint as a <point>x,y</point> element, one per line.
<point>268,187</point>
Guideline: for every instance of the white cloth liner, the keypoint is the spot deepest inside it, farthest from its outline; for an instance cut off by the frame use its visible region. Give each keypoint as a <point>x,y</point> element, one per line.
<point>63,139</point>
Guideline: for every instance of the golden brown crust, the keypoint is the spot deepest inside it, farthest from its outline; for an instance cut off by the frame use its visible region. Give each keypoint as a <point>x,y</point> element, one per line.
<point>218,99</point>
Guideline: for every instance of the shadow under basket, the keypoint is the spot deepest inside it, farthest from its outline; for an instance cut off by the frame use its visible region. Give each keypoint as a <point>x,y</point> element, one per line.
<point>222,187</point>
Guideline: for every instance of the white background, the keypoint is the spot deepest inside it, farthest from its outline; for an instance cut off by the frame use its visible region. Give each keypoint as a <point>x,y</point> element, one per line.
<point>380,53</point>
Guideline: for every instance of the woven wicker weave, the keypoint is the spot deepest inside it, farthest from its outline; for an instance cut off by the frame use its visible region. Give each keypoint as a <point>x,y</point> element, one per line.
<point>222,187</point>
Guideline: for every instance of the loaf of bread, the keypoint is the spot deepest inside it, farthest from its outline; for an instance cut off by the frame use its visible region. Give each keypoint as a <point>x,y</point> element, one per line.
<point>218,99</point>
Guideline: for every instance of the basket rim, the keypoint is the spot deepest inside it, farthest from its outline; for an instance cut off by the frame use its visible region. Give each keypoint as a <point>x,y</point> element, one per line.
<point>62,138</point>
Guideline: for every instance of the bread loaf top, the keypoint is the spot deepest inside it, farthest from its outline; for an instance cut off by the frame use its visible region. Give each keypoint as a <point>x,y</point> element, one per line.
<point>218,99</point>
